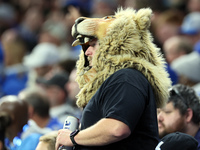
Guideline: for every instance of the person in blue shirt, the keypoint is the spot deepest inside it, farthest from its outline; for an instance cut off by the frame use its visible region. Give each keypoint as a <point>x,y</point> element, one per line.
<point>14,75</point>
<point>16,111</point>
<point>40,120</point>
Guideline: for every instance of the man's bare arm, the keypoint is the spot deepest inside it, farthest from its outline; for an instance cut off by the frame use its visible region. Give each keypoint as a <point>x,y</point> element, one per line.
<point>104,132</point>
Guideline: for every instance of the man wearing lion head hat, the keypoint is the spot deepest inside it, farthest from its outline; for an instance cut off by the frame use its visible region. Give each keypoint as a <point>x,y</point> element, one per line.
<point>122,79</point>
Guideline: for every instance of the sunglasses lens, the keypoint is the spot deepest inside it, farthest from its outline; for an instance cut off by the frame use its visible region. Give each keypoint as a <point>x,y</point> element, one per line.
<point>175,91</point>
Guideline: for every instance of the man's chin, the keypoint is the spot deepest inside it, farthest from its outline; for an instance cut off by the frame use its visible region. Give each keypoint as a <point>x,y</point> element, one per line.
<point>162,134</point>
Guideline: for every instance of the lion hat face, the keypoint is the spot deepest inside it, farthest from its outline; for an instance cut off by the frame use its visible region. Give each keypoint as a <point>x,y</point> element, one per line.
<point>124,42</point>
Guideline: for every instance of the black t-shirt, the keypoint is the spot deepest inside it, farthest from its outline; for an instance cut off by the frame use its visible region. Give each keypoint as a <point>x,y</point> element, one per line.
<point>126,96</point>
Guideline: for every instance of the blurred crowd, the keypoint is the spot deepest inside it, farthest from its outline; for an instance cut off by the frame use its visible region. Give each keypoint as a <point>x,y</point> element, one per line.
<point>38,63</point>
<point>36,37</point>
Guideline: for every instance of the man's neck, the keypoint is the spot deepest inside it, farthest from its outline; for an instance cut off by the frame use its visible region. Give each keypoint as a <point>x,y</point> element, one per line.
<point>192,129</point>
<point>41,122</point>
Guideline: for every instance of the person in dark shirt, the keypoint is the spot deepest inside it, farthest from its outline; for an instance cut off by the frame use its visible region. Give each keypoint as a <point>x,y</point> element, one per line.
<point>120,85</point>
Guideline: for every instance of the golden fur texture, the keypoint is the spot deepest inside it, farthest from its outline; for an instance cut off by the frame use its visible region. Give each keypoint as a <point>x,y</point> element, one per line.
<point>125,43</point>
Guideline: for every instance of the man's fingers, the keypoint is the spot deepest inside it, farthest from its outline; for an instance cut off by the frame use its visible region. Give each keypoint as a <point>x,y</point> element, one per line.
<point>62,138</point>
<point>60,131</point>
<point>57,145</point>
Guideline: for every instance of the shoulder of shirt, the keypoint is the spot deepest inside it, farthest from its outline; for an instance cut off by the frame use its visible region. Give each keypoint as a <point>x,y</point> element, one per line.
<point>126,71</point>
<point>128,75</point>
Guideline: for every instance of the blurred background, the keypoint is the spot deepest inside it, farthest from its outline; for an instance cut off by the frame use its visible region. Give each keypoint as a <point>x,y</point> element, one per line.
<point>35,37</point>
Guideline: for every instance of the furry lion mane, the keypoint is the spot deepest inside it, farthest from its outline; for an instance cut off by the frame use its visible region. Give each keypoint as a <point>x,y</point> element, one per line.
<point>128,43</point>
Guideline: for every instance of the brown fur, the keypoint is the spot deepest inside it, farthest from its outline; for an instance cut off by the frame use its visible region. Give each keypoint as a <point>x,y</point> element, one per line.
<point>125,42</point>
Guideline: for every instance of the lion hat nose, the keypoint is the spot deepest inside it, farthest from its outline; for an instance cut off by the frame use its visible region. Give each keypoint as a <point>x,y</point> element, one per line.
<point>81,39</point>
<point>77,21</point>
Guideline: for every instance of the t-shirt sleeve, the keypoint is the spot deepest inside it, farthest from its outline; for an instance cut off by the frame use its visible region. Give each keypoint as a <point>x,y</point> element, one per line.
<point>124,102</point>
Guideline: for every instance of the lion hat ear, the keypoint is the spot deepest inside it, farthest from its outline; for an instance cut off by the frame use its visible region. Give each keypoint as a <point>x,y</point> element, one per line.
<point>143,18</point>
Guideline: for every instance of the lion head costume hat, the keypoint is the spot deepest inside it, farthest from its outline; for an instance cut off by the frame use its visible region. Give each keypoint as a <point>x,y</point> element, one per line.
<point>124,42</point>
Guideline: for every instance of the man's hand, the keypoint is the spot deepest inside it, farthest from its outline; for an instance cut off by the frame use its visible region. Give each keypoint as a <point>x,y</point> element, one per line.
<point>63,138</point>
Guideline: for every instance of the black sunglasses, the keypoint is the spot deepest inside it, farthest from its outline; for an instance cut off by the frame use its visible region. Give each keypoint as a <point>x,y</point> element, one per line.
<point>175,91</point>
